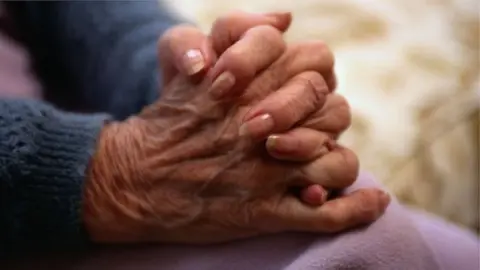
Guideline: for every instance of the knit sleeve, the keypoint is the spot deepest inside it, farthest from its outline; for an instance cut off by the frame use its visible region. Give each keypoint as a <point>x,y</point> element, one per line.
<point>44,154</point>
<point>100,54</point>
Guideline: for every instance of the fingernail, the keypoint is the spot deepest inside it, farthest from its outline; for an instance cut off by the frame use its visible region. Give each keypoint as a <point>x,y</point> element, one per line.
<point>259,126</point>
<point>385,199</point>
<point>280,145</point>
<point>193,61</point>
<point>272,142</point>
<point>222,84</point>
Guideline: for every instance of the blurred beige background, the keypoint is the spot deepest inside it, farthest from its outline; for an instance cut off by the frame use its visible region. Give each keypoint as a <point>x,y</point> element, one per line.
<point>410,70</point>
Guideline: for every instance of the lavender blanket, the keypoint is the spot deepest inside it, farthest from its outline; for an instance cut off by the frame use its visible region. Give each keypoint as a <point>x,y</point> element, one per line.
<point>401,240</point>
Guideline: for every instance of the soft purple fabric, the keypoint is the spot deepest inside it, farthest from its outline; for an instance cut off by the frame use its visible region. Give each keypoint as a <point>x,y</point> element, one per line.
<point>16,79</point>
<point>402,239</point>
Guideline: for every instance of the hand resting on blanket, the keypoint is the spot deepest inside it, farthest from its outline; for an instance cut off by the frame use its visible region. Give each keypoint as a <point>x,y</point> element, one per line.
<point>194,167</point>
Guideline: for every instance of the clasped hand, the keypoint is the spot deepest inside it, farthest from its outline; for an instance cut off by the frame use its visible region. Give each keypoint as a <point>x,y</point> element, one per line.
<point>243,123</point>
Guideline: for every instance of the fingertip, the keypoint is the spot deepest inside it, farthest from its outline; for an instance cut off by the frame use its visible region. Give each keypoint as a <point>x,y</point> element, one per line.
<point>257,127</point>
<point>368,204</point>
<point>314,195</point>
<point>221,85</point>
<point>385,200</point>
<point>196,62</point>
<point>183,49</point>
<point>192,62</point>
<point>331,80</point>
<point>280,20</point>
<point>280,147</point>
<point>271,143</point>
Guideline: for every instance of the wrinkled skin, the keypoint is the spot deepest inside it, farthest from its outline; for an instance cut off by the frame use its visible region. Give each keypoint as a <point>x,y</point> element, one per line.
<point>181,172</point>
<point>246,44</point>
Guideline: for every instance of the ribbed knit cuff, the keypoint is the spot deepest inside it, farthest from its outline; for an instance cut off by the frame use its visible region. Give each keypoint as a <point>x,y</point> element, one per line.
<point>44,154</point>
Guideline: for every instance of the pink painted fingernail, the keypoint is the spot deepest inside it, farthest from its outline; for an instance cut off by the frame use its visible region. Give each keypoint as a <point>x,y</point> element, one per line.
<point>222,84</point>
<point>272,143</point>
<point>257,127</point>
<point>281,145</point>
<point>193,61</point>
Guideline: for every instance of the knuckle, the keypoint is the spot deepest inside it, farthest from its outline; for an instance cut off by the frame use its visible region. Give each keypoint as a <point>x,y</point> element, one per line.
<point>267,31</point>
<point>331,79</point>
<point>320,149</point>
<point>318,44</point>
<point>352,166</point>
<point>345,114</point>
<point>223,21</point>
<point>267,35</point>
<point>224,24</point>
<point>259,44</point>
<point>321,51</point>
<point>314,83</point>
<point>313,78</point>
<point>339,109</point>
<point>228,18</point>
<point>237,63</point>
<point>324,50</point>
<point>341,101</point>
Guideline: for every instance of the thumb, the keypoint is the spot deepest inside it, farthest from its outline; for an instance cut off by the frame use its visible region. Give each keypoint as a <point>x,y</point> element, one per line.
<point>358,208</point>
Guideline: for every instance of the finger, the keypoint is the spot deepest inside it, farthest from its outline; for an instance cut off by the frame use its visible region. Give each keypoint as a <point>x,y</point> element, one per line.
<point>313,55</point>
<point>334,117</point>
<point>298,58</point>
<point>358,208</point>
<point>311,194</point>
<point>314,195</point>
<point>331,79</point>
<point>258,48</point>
<point>337,169</point>
<point>184,49</point>
<point>228,29</point>
<point>300,97</point>
<point>299,144</point>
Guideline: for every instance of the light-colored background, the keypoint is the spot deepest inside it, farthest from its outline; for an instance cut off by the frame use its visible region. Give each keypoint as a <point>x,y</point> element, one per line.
<point>410,70</point>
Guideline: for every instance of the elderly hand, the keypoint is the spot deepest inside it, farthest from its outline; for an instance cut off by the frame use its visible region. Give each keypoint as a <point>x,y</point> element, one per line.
<point>185,50</point>
<point>182,172</point>
<point>301,117</point>
<point>327,117</point>
<point>187,170</point>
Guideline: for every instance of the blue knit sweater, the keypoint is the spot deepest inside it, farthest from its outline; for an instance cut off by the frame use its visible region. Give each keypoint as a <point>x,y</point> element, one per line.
<point>103,57</point>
